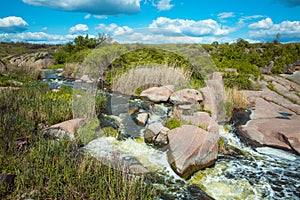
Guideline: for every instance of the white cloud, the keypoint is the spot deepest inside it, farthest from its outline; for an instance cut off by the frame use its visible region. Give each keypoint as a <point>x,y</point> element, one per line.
<point>267,30</point>
<point>12,24</point>
<point>36,37</point>
<point>206,27</point>
<point>96,7</point>
<point>45,28</point>
<point>79,28</point>
<point>114,29</point>
<point>87,16</point>
<point>164,5</point>
<point>262,24</point>
<point>100,16</point>
<point>225,15</point>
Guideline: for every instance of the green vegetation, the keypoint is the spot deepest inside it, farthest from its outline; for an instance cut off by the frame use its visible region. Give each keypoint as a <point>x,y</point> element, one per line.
<point>52,170</point>
<point>173,123</point>
<point>248,58</point>
<point>49,169</point>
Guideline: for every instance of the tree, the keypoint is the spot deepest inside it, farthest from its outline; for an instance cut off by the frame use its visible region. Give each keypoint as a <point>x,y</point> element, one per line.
<point>276,41</point>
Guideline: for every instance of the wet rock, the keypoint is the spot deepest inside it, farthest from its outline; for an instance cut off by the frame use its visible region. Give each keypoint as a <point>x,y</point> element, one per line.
<point>158,94</point>
<point>86,78</point>
<point>156,134</point>
<point>186,96</point>
<point>64,129</point>
<point>191,149</point>
<point>109,154</point>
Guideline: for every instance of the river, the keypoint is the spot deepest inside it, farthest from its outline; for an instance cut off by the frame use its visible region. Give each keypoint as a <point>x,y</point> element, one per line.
<point>254,174</point>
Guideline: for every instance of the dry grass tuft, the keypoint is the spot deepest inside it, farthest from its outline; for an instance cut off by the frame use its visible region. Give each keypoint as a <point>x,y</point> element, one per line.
<point>237,98</point>
<point>150,74</point>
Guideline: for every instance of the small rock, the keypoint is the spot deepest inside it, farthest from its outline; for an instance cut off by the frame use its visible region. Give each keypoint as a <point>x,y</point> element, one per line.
<point>142,118</point>
<point>64,129</point>
<point>7,178</point>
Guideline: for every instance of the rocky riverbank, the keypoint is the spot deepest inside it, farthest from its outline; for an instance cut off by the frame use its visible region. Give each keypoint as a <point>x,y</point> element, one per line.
<point>275,115</point>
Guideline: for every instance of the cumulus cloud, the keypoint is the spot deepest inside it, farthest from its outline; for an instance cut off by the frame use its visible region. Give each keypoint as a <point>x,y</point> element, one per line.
<point>114,29</point>
<point>97,7</point>
<point>206,27</point>
<point>267,30</point>
<point>79,29</point>
<point>291,3</point>
<point>262,24</point>
<point>12,24</point>
<point>35,37</point>
<point>164,5</point>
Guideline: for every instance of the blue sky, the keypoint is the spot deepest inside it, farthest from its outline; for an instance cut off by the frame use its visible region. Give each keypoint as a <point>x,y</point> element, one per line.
<point>150,21</point>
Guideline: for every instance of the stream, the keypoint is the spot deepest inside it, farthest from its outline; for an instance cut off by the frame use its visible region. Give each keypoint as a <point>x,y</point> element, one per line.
<point>254,174</point>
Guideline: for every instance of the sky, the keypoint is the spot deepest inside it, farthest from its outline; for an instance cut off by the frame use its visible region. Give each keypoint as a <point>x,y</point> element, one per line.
<point>150,21</point>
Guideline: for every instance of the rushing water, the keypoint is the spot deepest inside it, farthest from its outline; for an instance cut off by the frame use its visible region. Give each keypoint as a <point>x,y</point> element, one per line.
<point>262,173</point>
<point>55,80</point>
<point>256,173</point>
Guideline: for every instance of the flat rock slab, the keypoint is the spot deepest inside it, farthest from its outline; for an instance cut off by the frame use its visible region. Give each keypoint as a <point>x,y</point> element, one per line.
<point>274,119</point>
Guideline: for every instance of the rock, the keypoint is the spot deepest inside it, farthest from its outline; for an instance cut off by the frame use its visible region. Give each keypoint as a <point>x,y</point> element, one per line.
<point>186,96</point>
<point>274,119</point>
<point>7,178</point>
<point>142,118</point>
<point>2,66</point>
<point>44,63</point>
<point>86,78</point>
<point>268,68</point>
<point>156,134</point>
<point>108,152</point>
<point>209,101</point>
<point>203,120</point>
<point>64,129</point>
<point>15,83</point>
<point>191,149</point>
<point>158,94</point>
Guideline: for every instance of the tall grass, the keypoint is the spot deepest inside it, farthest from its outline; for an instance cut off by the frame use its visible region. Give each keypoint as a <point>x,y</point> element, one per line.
<point>48,169</point>
<point>53,170</point>
<point>235,99</point>
<point>148,74</point>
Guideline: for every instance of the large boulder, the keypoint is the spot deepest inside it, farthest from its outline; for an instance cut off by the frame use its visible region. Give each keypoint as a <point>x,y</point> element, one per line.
<point>158,94</point>
<point>186,96</point>
<point>64,129</point>
<point>203,120</point>
<point>191,149</point>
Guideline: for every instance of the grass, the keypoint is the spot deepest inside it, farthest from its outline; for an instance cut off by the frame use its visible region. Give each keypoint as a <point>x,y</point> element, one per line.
<point>53,170</point>
<point>235,99</point>
<point>49,169</point>
<point>128,82</point>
